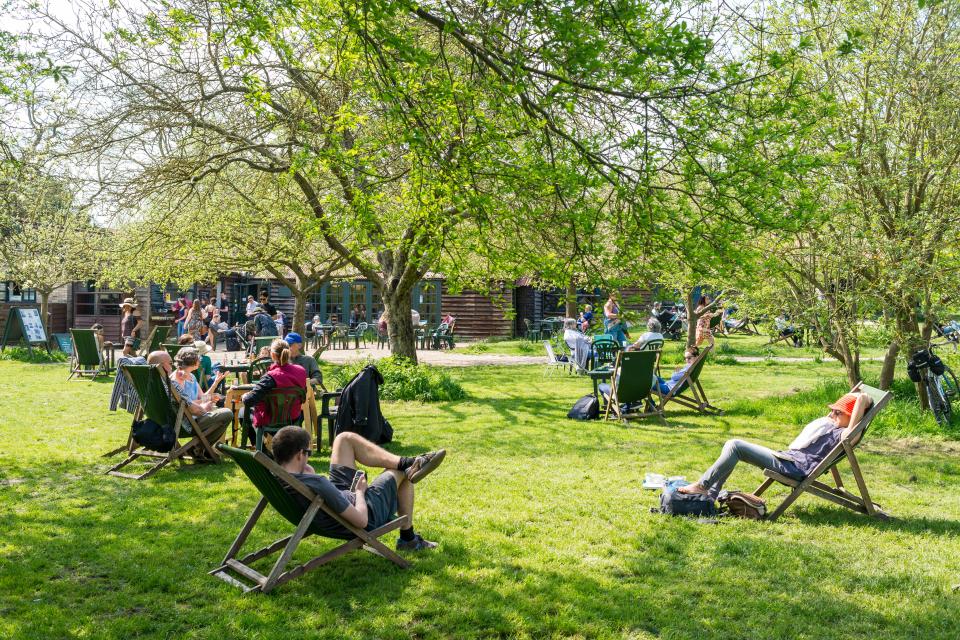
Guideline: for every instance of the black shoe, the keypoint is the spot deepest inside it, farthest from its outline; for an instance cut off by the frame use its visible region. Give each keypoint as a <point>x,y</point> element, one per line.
<point>424,464</point>
<point>417,544</point>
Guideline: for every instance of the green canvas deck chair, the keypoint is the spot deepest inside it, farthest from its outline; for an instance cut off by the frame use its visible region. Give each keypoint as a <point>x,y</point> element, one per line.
<point>266,476</point>
<point>154,341</point>
<point>838,494</point>
<point>173,349</point>
<point>279,403</point>
<point>688,390</point>
<point>152,386</point>
<point>631,384</point>
<point>87,357</point>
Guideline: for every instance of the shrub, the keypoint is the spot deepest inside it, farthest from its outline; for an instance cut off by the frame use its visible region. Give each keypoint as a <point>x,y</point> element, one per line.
<point>404,380</point>
<point>530,347</point>
<point>23,354</point>
<point>477,348</point>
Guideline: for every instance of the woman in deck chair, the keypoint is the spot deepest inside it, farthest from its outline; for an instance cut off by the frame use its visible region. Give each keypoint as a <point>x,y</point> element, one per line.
<point>802,456</point>
<point>666,386</point>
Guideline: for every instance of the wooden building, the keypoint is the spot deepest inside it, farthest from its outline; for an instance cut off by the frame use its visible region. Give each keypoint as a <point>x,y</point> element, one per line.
<point>12,295</point>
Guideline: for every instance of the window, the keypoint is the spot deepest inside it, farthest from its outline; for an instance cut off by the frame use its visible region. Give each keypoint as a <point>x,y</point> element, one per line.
<point>358,297</point>
<point>13,293</point>
<point>376,304</point>
<point>426,300</point>
<point>90,301</point>
<point>334,303</point>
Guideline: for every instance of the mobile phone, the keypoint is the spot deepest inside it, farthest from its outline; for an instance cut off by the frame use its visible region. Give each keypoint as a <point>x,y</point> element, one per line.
<point>356,479</point>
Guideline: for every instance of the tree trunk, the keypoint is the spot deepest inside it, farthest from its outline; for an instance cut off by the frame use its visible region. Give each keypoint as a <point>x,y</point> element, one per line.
<point>45,310</point>
<point>299,311</point>
<point>399,325</point>
<point>889,365</point>
<point>571,299</point>
<point>691,319</point>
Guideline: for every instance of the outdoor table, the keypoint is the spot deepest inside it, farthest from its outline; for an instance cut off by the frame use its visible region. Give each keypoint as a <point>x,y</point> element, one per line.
<point>233,402</point>
<point>238,368</point>
<point>603,373</point>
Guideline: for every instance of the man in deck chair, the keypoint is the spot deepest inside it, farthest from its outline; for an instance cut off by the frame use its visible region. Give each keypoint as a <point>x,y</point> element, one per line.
<point>368,506</point>
<point>803,455</point>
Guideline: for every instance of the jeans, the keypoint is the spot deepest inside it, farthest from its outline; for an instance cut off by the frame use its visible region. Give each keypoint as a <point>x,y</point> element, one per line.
<point>616,332</point>
<point>179,328</point>
<point>735,451</point>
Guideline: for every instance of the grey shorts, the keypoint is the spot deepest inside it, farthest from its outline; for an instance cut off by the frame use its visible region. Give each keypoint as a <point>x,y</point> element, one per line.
<point>381,494</point>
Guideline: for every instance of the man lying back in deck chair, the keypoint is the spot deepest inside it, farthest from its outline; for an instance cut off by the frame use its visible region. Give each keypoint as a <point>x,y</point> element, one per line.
<point>369,506</point>
<point>804,454</point>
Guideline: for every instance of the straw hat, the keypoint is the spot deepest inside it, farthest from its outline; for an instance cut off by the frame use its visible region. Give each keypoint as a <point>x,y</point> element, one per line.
<point>201,347</point>
<point>128,302</point>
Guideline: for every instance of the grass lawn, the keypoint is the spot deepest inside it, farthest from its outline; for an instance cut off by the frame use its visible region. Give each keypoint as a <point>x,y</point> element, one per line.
<point>544,528</point>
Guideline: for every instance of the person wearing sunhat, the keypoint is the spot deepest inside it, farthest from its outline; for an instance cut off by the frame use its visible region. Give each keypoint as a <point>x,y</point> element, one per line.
<point>309,364</point>
<point>130,320</point>
<point>206,364</point>
<point>802,456</point>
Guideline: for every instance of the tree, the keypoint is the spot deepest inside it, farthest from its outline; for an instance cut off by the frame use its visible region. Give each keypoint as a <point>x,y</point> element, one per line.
<point>240,220</point>
<point>46,240</point>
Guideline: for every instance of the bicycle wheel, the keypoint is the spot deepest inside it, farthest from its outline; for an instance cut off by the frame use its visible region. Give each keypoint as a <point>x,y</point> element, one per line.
<point>938,402</point>
<point>949,385</point>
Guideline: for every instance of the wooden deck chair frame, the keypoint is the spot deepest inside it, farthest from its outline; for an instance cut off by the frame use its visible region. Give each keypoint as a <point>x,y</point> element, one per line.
<point>179,451</point>
<point>631,383</point>
<point>366,540</point>
<point>838,494</point>
<point>155,340</point>
<point>690,382</point>
<point>85,347</point>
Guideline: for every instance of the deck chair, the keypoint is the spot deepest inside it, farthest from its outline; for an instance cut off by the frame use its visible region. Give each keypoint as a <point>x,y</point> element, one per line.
<point>631,384</point>
<point>688,390</point>
<point>154,341</point>
<point>279,403</point>
<point>553,363</point>
<point>173,349</point>
<point>837,494</point>
<point>266,476</point>
<point>153,388</point>
<point>87,357</point>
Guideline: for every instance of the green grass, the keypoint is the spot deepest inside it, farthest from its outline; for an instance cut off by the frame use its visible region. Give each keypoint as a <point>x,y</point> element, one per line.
<point>544,528</point>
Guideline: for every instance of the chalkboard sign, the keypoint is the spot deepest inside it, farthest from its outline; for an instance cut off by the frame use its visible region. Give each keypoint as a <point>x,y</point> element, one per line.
<point>23,324</point>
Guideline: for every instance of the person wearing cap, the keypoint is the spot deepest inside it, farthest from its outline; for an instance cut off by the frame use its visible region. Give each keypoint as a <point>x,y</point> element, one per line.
<point>130,322</point>
<point>802,456</point>
<point>263,324</point>
<point>309,364</point>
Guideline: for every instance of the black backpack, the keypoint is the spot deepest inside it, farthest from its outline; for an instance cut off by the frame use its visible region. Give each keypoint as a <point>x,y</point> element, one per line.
<point>675,503</point>
<point>586,408</point>
<point>153,436</point>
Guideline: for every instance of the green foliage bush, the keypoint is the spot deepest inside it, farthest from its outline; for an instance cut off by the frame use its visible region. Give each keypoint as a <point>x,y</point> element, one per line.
<point>477,348</point>
<point>404,380</point>
<point>22,354</point>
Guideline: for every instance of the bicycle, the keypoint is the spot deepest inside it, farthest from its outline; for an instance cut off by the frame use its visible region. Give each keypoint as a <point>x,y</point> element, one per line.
<point>938,380</point>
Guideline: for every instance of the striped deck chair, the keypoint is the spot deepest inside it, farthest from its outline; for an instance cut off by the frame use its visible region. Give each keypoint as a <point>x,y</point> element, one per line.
<point>160,402</point>
<point>836,494</point>
<point>266,476</point>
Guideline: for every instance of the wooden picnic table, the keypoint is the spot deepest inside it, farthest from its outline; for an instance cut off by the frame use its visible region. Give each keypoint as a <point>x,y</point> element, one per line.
<point>233,402</point>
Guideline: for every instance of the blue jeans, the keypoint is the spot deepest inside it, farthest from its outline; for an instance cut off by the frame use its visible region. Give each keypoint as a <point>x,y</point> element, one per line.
<point>616,332</point>
<point>179,328</point>
<point>735,451</point>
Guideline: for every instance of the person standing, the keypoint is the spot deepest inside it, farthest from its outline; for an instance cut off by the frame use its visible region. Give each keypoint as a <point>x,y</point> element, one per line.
<point>179,314</point>
<point>130,320</point>
<point>612,323</point>
<point>252,307</point>
<point>704,316</point>
<point>193,321</point>
<point>224,308</point>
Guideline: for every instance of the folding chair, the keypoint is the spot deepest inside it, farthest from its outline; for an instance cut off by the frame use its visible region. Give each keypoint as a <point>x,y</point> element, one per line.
<point>631,384</point>
<point>87,357</point>
<point>160,402</point>
<point>154,341</point>
<point>279,403</point>
<point>266,476</point>
<point>837,494</point>
<point>173,349</point>
<point>690,382</point>
<point>552,362</point>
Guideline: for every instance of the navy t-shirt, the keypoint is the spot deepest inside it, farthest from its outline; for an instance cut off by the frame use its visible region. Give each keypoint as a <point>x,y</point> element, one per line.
<point>807,458</point>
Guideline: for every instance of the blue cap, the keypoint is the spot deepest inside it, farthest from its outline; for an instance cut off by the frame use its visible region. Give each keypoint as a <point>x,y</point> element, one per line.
<point>294,337</point>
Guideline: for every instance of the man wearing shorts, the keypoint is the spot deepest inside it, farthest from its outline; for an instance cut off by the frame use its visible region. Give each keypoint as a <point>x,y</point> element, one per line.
<point>368,506</point>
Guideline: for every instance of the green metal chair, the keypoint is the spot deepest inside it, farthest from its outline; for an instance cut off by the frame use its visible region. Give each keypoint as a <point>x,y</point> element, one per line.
<point>605,350</point>
<point>160,402</point>
<point>262,341</point>
<point>631,385</point>
<point>87,357</point>
<point>279,406</point>
<point>257,368</point>
<point>269,479</point>
<point>358,333</point>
